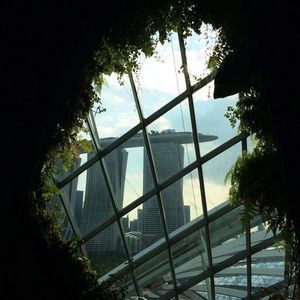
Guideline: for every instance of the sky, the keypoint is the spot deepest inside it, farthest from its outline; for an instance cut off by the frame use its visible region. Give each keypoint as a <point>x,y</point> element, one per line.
<point>159,81</point>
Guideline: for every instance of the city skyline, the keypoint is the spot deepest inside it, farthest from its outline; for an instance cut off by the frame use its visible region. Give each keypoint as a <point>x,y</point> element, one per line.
<point>159,81</point>
<point>168,154</point>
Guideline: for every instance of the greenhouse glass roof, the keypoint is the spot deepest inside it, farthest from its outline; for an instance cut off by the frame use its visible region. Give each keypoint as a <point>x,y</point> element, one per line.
<point>149,200</point>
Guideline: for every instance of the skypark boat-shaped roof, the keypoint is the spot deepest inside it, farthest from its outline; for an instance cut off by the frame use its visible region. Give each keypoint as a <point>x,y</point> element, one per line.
<point>167,137</point>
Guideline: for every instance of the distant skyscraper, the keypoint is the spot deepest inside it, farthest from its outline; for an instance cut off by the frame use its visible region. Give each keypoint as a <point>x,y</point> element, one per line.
<point>78,207</point>
<point>97,205</point>
<point>69,192</point>
<point>187,213</point>
<point>168,158</point>
<point>133,225</point>
<point>168,154</point>
<point>125,224</point>
<point>140,220</point>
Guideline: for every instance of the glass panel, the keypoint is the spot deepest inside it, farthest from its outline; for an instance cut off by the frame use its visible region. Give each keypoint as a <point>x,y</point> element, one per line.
<point>59,216</point>
<point>210,119</point>
<point>172,141</point>
<point>62,172</point>
<point>192,197</point>
<point>227,238</point>
<point>190,256</point>
<point>125,165</point>
<point>120,113</point>
<point>83,151</point>
<point>182,201</point>
<point>127,282</point>
<point>97,207</point>
<point>133,232</point>
<point>214,173</point>
<point>115,163</point>
<point>199,291</point>
<point>105,250</point>
<point>152,229</point>
<point>153,276</point>
<point>198,50</point>
<point>231,283</point>
<point>143,226</point>
<point>74,194</point>
<point>178,118</point>
<point>159,80</point>
<point>267,268</point>
<point>258,231</point>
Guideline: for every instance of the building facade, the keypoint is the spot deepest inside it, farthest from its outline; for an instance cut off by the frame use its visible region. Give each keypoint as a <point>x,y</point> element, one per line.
<point>168,158</point>
<point>168,154</point>
<point>98,203</point>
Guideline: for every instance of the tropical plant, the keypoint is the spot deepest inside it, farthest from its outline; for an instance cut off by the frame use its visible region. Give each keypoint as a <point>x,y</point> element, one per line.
<point>256,180</point>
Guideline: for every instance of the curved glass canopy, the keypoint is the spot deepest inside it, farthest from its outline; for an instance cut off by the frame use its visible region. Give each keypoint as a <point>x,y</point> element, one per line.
<point>149,199</point>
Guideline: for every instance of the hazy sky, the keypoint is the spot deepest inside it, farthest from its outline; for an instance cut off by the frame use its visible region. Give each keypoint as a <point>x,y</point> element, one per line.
<point>158,82</point>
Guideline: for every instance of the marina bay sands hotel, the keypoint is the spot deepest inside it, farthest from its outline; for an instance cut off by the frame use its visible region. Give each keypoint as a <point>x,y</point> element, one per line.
<point>168,154</point>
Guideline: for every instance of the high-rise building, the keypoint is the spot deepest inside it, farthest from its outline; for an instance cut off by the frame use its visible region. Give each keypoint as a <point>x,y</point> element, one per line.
<point>125,224</point>
<point>168,158</point>
<point>187,214</point>
<point>168,154</point>
<point>78,207</point>
<point>140,220</point>
<point>69,193</point>
<point>133,225</point>
<point>98,203</point>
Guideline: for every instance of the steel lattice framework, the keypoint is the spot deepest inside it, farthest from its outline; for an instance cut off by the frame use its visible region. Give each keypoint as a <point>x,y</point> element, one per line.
<point>199,260</point>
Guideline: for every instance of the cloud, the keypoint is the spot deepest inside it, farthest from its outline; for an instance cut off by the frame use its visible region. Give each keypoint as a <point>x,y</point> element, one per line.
<point>160,124</point>
<point>159,74</point>
<point>133,187</point>
<point>104,131</point>
<point>112,82</point>
<point>215,194</point>
<point>117,124</point>
<point>126,120</point>
<point>162,74</point>
<point>117,100</point>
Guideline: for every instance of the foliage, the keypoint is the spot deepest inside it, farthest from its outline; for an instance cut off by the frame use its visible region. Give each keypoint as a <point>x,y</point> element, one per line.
<point>251,112</point>
<point>120,53</point>
<point>256,178</point>
<point>219,52</point>
<point>74,269</point>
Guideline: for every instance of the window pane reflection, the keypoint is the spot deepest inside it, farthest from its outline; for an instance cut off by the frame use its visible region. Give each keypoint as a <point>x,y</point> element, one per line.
<point>190,256</point>
<point>182,201</point>
<point>153,276</point>
<point>159,80</point>
<point>105,250</point>
<point>199,291</point>
<point>231,283</point>
<point>214,172</point>
<point>226,235</point>
<point>211,120</point>
<point>97,206</point>
<point>120,113</point>
<point>267,269</point>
